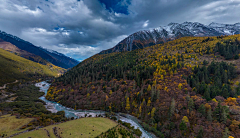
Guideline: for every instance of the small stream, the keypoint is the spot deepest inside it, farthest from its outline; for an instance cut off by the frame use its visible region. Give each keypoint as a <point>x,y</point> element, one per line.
<point>55,107</point>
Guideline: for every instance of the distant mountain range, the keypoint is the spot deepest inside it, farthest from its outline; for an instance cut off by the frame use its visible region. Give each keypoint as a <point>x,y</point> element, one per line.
<point>170,32</point>
<point>35,53</point>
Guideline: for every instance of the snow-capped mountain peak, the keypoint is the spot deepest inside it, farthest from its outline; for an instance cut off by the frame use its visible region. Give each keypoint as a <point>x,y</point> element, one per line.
<point>214,25</point>
<point>172,31</point>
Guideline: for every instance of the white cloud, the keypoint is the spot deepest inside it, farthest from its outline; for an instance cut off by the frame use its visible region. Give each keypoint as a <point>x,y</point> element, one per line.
<point>146,24</point>
<point>39,31</point>
<point>25,9</point>
<point>222,11</point>
<point>109,44</point>
<point>81,52</point>
<point>66,33</point>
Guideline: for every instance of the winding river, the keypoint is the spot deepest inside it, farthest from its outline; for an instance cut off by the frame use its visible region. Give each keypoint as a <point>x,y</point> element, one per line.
<point>55,107</point>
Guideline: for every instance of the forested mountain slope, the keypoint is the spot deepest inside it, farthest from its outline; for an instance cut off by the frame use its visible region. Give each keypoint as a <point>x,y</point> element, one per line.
<point>53,57</point>
<point>183,88</point>
<point>22,53</point>
<point>13,67</point>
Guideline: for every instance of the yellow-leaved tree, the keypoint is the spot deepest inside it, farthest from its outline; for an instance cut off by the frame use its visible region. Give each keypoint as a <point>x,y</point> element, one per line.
<point>127,104</point>
<point>185,119</point>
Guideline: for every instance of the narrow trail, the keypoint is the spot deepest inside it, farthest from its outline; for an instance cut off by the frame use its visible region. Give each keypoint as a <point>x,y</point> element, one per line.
<point>5,85</point>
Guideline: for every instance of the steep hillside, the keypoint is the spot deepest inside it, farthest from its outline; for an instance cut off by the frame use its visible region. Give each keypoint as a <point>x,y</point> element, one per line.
<point>188,87</point>
<point>171,32</point>
<point>22,53</point>
<point>13,67</point>
<point>52,57</point>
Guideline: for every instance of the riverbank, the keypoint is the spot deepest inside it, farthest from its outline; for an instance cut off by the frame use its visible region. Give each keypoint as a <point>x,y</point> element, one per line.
<point>54,107</point>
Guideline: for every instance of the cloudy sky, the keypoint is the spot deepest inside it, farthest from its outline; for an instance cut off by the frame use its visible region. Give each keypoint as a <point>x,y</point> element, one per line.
<point>81,28</point>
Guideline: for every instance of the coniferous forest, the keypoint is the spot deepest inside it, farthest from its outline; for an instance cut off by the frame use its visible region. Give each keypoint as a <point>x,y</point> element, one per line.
<point>183,88</point>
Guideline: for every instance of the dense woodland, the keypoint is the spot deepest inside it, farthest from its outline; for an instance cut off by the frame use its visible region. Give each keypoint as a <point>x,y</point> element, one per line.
<point>28,104</point>
<point>183,88</point>
<point>117,132</point>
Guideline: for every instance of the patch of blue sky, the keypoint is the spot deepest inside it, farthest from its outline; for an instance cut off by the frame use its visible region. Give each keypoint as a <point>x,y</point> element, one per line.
<point>118,6</point>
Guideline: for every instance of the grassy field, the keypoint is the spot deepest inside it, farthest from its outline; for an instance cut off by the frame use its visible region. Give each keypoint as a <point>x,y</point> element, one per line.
<point>84,127</point>
<point>10,124</point>
<point>14,67</point>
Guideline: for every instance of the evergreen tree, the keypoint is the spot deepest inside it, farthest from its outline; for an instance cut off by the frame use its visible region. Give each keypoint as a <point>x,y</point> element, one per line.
<point>207,94</point>
<point>153,93</point>
<point>191,104</point>
<point>236,56</point>
<point>225,93</point>
<point>200,133</point>
<point>217,111</point>
<point>172,107</point>
<point>134,85</point>
<point>209,115</point>
<point>223,116</point>
<point>224,77</point>
<point>213,92</point>
<point>226,133</point>
<point>202,88</point>
<point>158,94</point>
<point>202,109</point>
<point>182,126</point>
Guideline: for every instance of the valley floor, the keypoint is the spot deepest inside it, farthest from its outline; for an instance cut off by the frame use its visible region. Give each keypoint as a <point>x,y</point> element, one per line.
<point>84,127</point>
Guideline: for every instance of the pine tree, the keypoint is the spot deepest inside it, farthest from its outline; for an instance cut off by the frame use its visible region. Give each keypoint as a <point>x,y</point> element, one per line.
<point>213,92</point>
<point>236,56</point>
<point>141,91</point>
<point>207,94</point>
<point>217,111</point>
<point>225,93</point>
<point>191,104</point>
<point>223,116</point>
<point>182,126</point>
<point>158,94</point>
<point>224,77</point>
<point>153,94</point>
<point>202,109</point>
<point>134,85</point>
<point>209,115</point>
<point>226,133</point>
<point>200,133</point>
<point>172,107</point>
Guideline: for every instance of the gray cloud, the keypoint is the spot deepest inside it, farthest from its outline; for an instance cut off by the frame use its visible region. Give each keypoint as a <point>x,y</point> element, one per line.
<point>82,28</point>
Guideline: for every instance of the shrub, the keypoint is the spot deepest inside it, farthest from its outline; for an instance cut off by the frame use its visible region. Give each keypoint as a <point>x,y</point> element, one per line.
<point>137,132</point>
<point>120,121</point>
<point>114,118</point>
<point>236,57</point>
<point>146,126</point>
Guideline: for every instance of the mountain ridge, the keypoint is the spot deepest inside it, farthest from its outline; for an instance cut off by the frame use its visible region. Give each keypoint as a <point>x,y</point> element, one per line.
<point>53,57</point>
<point>15,67</point>
<point>171,32</point>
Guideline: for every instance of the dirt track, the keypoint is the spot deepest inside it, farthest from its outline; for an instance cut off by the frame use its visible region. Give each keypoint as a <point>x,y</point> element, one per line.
<point>4,86</point>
